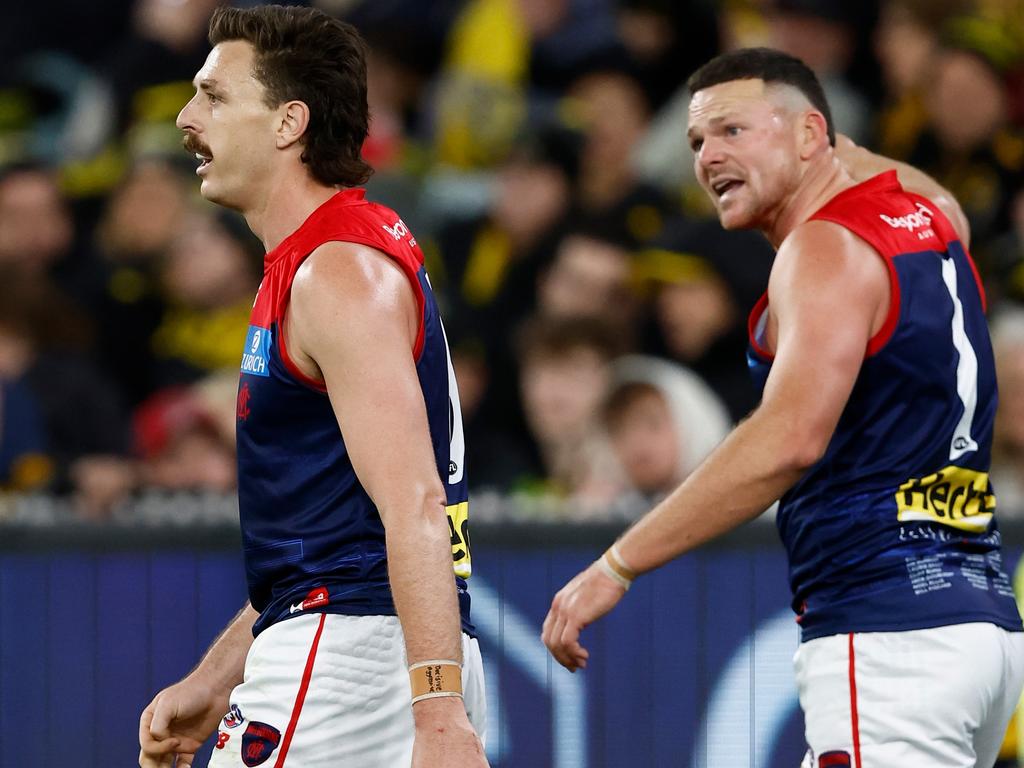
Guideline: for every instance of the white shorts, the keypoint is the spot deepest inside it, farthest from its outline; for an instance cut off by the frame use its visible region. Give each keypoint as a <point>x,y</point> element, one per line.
<point>936,698</point>
<point>331,690</point>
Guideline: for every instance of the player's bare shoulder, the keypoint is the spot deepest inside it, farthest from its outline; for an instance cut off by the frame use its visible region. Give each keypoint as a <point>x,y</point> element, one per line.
<point>826,253</point>
<point>341,279</point>
<point>824,263</point>
<point>349,290</point>
<point>350,271</point>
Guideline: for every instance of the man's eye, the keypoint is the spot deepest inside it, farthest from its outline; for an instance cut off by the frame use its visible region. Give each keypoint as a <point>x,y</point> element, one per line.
<point>732,130</point>
<point>696,144</point>
<point>212,97</point>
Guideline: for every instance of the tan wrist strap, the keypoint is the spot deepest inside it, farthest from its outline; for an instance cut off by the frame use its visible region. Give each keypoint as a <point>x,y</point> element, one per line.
<point>614,561</point>
<point>435,679</point>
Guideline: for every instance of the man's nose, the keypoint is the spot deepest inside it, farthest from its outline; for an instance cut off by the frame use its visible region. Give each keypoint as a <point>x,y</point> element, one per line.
<point>711,153</point>
<point>184,120</point>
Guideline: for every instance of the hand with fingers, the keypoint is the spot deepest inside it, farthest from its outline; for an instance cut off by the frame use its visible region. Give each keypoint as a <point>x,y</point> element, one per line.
<point>177,722</point>
<point>585,599</point>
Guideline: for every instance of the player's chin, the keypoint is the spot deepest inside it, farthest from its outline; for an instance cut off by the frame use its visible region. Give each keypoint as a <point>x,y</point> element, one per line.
<point>734,217</point>
<point>215,194</point>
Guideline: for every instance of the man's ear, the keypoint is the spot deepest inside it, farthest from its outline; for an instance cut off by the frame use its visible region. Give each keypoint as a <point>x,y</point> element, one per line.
<point>294,119</point>
<point>813,133</point>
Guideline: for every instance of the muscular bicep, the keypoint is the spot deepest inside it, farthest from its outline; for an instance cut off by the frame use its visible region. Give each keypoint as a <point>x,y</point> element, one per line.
<point>354,313</point>
<point>827,294</point>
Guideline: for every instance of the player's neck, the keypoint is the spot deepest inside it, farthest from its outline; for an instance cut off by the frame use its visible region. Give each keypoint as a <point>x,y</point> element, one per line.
<point>287,203</point>
<point>824,179</point>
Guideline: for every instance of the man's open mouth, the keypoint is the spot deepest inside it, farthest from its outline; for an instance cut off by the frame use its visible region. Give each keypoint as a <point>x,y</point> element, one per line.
<point>721,187</point>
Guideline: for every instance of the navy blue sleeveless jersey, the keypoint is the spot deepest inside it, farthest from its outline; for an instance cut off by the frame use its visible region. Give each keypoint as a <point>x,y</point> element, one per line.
<point>893,529</point>
<point>313,540</point>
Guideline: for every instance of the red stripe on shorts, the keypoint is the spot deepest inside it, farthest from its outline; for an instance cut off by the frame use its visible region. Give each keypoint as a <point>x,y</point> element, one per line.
<point>853,707</point>
<point>300,697</point>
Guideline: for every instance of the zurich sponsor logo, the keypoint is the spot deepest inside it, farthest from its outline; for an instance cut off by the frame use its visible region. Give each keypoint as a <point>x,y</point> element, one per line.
<point>911,221</point>
<point>234,718</point>
<point>256,356</point>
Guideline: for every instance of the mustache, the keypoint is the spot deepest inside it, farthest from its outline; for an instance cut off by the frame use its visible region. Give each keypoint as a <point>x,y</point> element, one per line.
<point>192,145</point>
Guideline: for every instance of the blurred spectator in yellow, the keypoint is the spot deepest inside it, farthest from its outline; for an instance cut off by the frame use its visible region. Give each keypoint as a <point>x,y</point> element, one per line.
<point>1004,259</point>
<point>61,411</point>
<point>37,233</point>
<point>25,461</point>
<point>970,145</point>
<point>502,457</point>
<point>613,113</point>
<point>208,278</point>
<point>1011,754</point>
<point>36,230</point>
<point>666,40</point>
<point>150,70</point>
<point>907,42</point>
<point>705,282</point>
<point>823,33</point>
<point>1008,441</point>
<point>1018,721</point>
<point>487,266</point>
<point>141,219</point>
<point>590,277</point>
<point>564,374</point>
<point>663,420</point>
<point>497,51</point>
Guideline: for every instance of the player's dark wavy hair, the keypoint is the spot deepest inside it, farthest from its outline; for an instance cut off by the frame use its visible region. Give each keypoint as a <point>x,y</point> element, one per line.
<point>769,65</point>
<point>303,54</point>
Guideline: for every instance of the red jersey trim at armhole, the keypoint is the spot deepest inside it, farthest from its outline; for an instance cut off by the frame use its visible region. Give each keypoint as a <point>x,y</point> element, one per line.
<point>421,305</point>
<point>977,279</point>
<point>752,320</point>
<point>289,364</point>
<point>414,281</point>
<point>892,318</point>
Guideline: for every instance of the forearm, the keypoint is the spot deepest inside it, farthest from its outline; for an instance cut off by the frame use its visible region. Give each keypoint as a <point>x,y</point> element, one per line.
<point>422,582</point>
<point>223,665</point>
<point>752,468</point>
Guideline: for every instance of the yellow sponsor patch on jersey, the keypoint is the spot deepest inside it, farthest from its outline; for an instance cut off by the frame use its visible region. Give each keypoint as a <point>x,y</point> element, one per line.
<point>458,524</point>
<point>953,496</point>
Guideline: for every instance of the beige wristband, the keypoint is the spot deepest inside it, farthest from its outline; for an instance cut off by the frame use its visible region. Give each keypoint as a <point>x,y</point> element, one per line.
<point>435,679</point>
<point>615,568</point>
<point>618,564</point>
<point>611,573</point>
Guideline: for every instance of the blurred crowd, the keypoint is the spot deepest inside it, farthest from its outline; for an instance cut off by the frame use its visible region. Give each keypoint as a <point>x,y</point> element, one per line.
<point>595,309</point>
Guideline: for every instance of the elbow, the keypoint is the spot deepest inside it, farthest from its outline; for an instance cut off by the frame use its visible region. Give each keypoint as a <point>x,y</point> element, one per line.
<point>795,437</point>
<point>802,452</point>
<point>421,507</point>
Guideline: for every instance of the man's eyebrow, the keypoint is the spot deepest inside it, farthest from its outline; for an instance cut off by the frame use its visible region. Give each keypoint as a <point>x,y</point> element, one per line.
<point>206,84</point>
<point>712,121</point>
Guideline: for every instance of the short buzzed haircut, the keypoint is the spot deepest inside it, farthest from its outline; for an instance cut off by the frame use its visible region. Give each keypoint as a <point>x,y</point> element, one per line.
<point>772,67</point>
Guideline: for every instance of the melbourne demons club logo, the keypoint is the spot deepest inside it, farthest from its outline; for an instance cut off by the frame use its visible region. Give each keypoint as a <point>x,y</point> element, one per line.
<point>258,742</point>
<point>242,406</point>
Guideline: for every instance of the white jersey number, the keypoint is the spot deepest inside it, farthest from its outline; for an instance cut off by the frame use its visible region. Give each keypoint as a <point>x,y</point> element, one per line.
<point>966,369</point>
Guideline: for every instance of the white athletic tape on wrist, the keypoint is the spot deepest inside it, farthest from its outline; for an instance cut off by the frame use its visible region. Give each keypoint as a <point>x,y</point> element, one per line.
<point>616,561</point>
<point>611,573</point>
